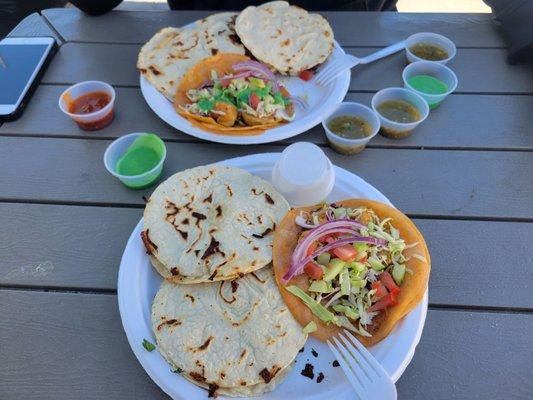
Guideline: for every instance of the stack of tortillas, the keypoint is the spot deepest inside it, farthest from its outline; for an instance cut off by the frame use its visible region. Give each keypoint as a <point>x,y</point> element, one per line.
<point>218,316</point>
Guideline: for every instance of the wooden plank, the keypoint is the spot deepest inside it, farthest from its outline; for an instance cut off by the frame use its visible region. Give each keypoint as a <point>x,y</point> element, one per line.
<point>86,355</point>
<point>479,70</point>
<point>33,25</point>
<point>434,182</point>
<point>464,121</point>
<point>350,28</point>
<point>63,246</point>
<point>59,259</point>
<point>467,259</point>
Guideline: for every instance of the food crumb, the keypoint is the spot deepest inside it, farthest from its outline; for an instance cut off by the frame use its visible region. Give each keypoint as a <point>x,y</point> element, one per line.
<point>320,377</point>
<point>335,363</point>
<point>302,350</point>
<point>308,371</point>
<point>314,352</point>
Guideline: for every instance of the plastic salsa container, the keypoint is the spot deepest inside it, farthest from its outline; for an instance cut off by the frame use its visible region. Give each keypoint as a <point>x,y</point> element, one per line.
<point>350,146</point>
<point>433,81</point>
<point>428,38</point>
<point>393,129</point>
<point>90,104</point>
<point>136,159</point>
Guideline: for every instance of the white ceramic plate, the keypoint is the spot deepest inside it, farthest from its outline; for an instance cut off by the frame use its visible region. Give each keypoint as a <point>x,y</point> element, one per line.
<point>320,99</point>
<point>138,283</point>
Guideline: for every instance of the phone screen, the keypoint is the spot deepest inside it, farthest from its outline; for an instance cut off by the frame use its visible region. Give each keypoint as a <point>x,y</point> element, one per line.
<point>17,63</point>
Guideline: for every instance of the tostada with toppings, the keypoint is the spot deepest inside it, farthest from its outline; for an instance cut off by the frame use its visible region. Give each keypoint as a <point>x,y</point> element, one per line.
<point>356,264</point>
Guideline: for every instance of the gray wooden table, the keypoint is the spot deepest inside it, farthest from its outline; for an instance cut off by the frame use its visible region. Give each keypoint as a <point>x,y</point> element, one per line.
<point>465,176</point>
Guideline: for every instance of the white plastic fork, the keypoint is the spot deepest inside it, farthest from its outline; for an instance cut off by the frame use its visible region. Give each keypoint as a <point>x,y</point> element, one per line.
<point>347,61</point>
<point>367,376</point>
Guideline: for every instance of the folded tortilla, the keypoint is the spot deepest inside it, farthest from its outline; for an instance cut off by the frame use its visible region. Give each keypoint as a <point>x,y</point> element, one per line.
<point>196,76</point>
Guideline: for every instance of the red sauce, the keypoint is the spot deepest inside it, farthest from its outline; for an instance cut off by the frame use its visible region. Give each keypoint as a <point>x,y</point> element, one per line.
<point>89,103</point>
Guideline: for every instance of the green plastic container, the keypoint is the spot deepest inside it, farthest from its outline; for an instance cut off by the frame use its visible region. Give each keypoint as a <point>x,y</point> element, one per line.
<point>136,159</point>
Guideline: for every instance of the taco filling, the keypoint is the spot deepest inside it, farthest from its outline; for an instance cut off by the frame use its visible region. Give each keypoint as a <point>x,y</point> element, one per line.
<point>355,263</point>
<point>234,100</point>
<point>231,91</point>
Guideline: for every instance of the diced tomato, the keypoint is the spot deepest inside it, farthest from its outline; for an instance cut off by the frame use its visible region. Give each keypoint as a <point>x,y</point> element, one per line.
<point>313,270</point>
<point>380,289</point>
<point>254,100</point>
<point>384,302</point>
<point>306,75</point>
<point>389,283</point>
<point>346,253</point>
<point>326,239</point>
<point>311,249</point>
<point>225,82</point>
<point>363,260</point>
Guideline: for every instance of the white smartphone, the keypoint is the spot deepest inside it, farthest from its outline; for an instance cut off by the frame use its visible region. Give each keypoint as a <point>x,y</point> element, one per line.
<point>22,62</point>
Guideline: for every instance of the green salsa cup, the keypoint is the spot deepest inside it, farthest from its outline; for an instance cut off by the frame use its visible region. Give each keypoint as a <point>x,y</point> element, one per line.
<point>136,159</point>
<point>431,80</point>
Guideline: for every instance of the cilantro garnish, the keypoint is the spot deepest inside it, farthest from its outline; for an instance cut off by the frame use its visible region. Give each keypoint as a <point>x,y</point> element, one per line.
<point>149,346</point>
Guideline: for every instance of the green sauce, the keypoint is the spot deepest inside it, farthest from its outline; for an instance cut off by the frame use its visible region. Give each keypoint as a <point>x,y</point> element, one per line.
<point>137,161</point>
<point>399,111</point>
<point>429,51</point>
<point>350,127</point>
<point>427,84</point>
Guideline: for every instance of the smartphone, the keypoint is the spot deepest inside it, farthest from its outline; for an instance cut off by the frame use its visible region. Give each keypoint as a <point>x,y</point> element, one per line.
<point>22,63</point>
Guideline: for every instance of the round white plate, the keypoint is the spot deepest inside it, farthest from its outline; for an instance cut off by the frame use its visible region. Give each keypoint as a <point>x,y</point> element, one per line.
<point>319,98</point>
<point>138,283</point>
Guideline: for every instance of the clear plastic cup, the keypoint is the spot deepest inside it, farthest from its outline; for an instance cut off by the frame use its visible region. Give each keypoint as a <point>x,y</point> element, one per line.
<point>350,146</point>
<point>399,130</point>
<point>91,121</point>
<point>303,174</point>
<point>433,38</point>
<point>435,70</point>
<point>119,147</point>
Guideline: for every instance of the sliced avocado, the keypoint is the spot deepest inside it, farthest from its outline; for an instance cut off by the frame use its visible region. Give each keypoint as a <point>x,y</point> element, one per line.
<point>339,212</point>
<point>316,308</point>
<point>310,327</point>
<point>256,82</point>
<point>375,264</point>
<point>360,247</point>
<point>333,269</point>
<point>398,273</point>
<point>320,287</point>
<point>323,258</point>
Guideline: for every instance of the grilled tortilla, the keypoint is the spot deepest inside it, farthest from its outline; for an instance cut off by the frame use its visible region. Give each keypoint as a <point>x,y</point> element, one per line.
<point>169,54</point>
<point>211,223</point>
<point>233,336</point>
<point>286,37</point>
<point>412,289</point>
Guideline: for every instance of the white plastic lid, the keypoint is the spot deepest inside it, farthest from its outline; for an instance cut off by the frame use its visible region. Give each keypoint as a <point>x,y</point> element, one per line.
<point>303,174</point>
<point>303,163</point>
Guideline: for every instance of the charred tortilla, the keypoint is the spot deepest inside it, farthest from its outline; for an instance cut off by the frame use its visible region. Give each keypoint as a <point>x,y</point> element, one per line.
<point>236,336</point>
<point>412,289</point>
<point>211,223</point>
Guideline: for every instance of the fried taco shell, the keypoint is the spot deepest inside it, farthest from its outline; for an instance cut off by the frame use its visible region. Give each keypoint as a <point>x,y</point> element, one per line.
<point>195,77</point>
<point>413,286</point>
